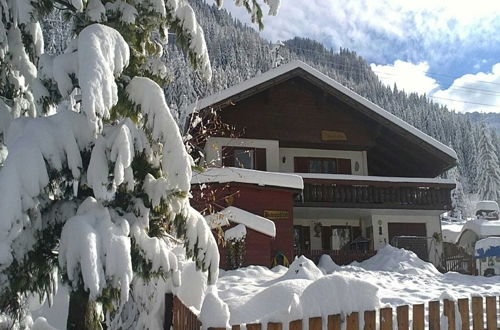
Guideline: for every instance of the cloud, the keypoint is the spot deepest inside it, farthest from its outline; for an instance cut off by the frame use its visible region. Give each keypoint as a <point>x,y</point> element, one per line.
<point>468,93</point>
<point>443,33</point>
<point>407,76</point>
<point>473,92</point>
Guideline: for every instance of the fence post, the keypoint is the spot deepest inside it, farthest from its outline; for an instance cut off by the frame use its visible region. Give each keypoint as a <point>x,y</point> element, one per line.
<point>334,322</point>
<point>434,317</point>
<point>402,315</point>
<point>315,323</point>
<point>254,326</point>
<point>491,313</point>
<point>295,325</point>
<point>463,308</point>
<point>169,311</point>
<point>449,312</point>
<point>353,321</point>
<point>369,320</point>
<point>274,326</point>
<point>386,318</point>
<point>477,313</point>
<point>418,317</point>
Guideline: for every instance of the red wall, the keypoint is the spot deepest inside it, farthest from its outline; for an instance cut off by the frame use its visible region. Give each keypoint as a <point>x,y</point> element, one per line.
<point>260,249</point>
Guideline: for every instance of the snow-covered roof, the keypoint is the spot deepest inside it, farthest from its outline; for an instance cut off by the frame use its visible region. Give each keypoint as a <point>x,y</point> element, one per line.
<point>236,215</point>
<point>241,175</point>
<point>483,228</point>
<point>281,70</point>
<point>487,206</point>
<point>374,178</point>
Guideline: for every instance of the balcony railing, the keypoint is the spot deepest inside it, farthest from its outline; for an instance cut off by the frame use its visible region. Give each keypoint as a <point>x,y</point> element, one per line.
<point>344,191</point>
<point>340,257</point>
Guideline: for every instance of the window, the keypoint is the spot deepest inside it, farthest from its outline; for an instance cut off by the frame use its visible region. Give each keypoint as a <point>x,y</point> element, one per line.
<point>251,158</point>
<point>322,165</point>
<point>244,158</point>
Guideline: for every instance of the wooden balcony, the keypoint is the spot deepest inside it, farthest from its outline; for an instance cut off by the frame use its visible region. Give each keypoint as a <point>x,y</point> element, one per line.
<point>346,191</point>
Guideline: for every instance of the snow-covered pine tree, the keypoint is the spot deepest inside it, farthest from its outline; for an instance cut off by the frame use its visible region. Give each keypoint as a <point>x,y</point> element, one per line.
<point>458,202</point>
<point>488,175</point>
<point>90,194</point>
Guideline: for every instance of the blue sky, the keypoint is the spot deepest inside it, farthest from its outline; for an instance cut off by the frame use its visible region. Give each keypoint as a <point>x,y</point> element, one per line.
<point>449,50</point>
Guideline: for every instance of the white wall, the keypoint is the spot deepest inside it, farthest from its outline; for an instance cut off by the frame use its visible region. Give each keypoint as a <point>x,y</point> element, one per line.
<point>281,159</point>
<point>432,225</point>
<point>381,218</point>
<point>288,155</point>
<point>213,150</point>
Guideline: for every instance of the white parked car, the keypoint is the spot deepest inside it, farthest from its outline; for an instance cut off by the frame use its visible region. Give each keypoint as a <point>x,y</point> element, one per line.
<point>487,210</point>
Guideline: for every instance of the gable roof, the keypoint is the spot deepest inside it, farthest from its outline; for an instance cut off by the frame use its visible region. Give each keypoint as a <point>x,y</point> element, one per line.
<point>284,72</point>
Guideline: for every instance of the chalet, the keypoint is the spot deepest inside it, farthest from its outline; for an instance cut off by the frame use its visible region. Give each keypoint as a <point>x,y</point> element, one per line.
<point>336,173</point>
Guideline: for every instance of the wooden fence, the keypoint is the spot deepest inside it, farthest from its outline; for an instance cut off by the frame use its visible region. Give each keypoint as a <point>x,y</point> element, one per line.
<point>183,317</point>
<point>476,312</point>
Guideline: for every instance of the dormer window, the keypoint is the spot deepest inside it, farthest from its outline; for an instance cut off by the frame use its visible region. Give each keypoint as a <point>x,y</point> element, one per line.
<point>242,157</point>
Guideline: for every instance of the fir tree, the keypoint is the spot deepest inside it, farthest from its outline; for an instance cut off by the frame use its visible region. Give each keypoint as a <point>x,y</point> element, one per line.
<point>92,194</point>
<point>458,202</point>
<point>488,179</point>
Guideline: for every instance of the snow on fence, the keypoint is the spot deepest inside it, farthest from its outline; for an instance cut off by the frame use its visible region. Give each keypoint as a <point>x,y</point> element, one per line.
<point>478,312</point>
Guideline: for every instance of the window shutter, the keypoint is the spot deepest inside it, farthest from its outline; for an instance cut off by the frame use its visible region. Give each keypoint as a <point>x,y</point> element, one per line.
<point>227,156</point>
<point>344,166</point>
<point>260,159</point>
<point>301,165</point>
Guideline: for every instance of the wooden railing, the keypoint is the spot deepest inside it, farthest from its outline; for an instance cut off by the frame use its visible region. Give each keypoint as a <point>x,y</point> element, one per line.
<point>375,194</point>
<point>340,257</point>
<point>477,312</point>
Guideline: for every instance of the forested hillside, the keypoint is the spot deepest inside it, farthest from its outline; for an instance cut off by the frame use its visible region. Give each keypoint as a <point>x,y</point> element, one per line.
<point>238,53</point>
<point>492,119</point>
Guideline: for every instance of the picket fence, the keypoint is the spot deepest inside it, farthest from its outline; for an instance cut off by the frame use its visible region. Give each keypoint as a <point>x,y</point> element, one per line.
<point>478,312</point>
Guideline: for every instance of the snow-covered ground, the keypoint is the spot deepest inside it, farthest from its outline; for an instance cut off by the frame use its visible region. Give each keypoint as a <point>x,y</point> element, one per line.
<point>451,230</point>
<point>392,277</point>
<point>257,294</point>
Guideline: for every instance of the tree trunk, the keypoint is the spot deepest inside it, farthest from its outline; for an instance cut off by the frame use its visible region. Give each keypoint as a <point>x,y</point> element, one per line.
<point>82,314</point>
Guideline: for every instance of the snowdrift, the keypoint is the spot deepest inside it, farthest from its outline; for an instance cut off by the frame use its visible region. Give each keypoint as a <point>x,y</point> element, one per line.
<point>391,259</point>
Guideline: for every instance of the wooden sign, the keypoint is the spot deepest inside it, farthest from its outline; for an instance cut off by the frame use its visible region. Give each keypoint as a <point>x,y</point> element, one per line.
<point>333,136</point>
<point>275,215</point>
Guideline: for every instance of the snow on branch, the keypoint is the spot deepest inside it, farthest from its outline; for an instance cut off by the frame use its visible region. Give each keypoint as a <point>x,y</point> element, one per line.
<point>102,55</point>
<point>98,56</point>
<point>97,245</point>
<point>36,146</point>
<point>176,163</point>
<point>201,244</point>
<point>197,44</point>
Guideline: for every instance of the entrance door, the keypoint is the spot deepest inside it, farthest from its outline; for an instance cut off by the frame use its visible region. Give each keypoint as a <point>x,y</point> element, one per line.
<point>409,236</point>
<point>301,239</point>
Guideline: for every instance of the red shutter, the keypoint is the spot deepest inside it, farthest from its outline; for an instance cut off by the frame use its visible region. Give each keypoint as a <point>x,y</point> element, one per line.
<point>227,156</point>
<point>260,159</point>
<point>344,166</point>
<point>301,165</point>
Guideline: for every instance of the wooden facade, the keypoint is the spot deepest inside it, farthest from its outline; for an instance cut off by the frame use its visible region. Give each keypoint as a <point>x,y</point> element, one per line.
<point>297,110</point>
<point>262,201</point>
